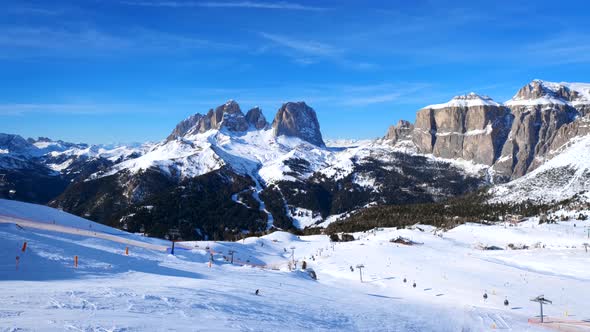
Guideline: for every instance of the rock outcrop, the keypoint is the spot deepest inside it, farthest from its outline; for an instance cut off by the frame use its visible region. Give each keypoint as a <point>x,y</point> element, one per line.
<point>515,138</point>
<point>402,131</point>
<point>296,119</point>
<point>469,127</point>
<point>545,118</point>
<point>256,119</point>
<point>228,116</point>
<point>184,126</point>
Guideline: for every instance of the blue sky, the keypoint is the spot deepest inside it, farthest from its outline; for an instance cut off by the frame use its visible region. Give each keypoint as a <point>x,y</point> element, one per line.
<point>129,70</point>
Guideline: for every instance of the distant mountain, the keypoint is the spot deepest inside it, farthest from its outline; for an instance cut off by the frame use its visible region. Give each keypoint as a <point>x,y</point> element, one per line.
<point>514,138</point>
<point>38,170</point>
<point>469,127</point>
<point>279,175</point>
<point>565,176</point>
<point>224,172</point>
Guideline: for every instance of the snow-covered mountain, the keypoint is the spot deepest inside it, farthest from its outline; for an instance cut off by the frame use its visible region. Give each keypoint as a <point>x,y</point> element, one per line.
<point>563,177</point>
<point>38,170</point>
<point>514,138</point>
<point>270,175</point>
<point>225,172</point>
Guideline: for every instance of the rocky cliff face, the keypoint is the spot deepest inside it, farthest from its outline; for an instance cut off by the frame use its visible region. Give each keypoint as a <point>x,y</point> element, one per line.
<point>296,119</point>
<point>514,138</point>
<point>531,135</point>
<point>402,131</point>
<point>469,127</point>
<point>256,119</point>
<point>228,116</point>
<point>184,126</point>
<point>546,116</point>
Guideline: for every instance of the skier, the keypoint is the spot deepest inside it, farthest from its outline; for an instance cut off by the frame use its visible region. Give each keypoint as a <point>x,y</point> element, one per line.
<point>405,280</point>
<point>257,292</point>
<point>506,303</point>
<point>351,269</point>
<point>485,296</point>
<point>414,285</point>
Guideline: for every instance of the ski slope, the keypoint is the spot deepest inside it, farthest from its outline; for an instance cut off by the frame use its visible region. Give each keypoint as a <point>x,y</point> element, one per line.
<point>153,290</point>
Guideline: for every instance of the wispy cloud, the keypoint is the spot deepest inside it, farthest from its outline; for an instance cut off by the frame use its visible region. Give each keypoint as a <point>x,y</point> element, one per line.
<point>306,47</point>
<point>307,52</point>
<point>374,99</point>
<point>281,5</point>
<point>381,93</point>
<point>90,108</point>
<point>26,10</point>
<point>318,95</point>
<point>28,41</point>
<point>25,108</point>
<point>567,48</point>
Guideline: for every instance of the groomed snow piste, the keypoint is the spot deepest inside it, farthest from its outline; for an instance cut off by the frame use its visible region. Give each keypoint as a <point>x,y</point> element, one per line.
<point>149,289</point>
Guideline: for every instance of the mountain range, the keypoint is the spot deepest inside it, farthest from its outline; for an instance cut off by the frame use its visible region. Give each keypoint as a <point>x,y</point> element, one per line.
<point>223,173</point>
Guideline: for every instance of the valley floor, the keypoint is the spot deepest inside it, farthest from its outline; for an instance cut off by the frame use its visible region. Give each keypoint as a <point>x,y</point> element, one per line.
<point>153,290</point>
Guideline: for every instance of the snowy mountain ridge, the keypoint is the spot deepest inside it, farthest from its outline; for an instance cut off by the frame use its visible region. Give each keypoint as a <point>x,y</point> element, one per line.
<point>564,176</point>
<point>285,175</point>
<point>468,100</point>
<point>544,92</point>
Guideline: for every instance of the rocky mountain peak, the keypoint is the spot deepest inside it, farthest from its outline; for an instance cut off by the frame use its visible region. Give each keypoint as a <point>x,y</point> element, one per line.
<point>470,127</point>
<point>539,89</point>
<point>539,92</point>
<point>184,126</point>
<point>256,119</point>
<point>401,131</point>
<point>230,107</point>
<point>471,99</point>
<point>228,115</point>
<point>297,119</point>
<point>10,143</point>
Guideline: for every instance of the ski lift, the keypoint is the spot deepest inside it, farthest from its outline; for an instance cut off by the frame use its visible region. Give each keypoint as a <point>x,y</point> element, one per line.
<point>542,300</point>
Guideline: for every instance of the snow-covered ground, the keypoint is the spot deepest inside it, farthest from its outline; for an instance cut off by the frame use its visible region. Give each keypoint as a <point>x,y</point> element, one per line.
<point>153,290</point>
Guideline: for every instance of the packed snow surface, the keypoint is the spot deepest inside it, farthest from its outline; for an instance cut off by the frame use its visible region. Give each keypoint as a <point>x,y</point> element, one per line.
<point>153,290</point>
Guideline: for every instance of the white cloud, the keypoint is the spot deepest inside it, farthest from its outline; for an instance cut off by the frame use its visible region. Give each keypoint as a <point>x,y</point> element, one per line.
<point>280,5</point>
<point>27,41</point>
<point>566,48</point>
<point>306,47</point>
<point>17,109</point>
